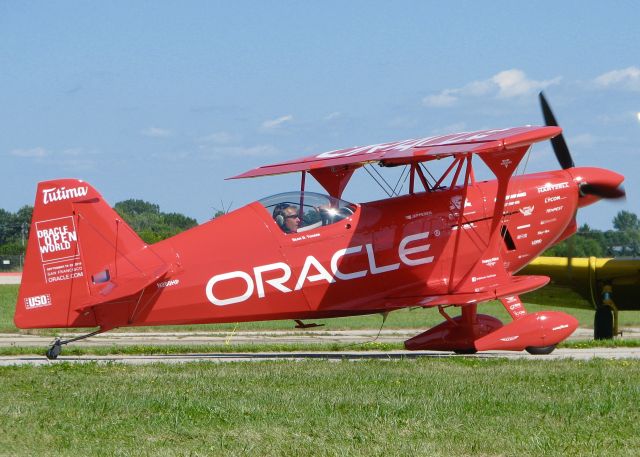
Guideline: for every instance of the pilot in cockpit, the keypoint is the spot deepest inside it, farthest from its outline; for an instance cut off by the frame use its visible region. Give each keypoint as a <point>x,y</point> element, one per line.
<point>287,217</point>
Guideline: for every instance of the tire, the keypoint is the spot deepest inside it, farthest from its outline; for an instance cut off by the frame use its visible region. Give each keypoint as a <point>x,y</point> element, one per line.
<point>53,352</point>
<point>603,324</point>
<point>540,350</point>
<point>467,351</point>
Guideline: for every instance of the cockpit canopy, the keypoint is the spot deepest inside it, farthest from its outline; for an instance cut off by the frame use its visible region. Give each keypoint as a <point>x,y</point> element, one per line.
<point>317,209</point>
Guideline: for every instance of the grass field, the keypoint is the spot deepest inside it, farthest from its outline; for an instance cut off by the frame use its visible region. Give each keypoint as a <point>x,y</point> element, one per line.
<point>409,318</point>
<point>437,407</point>
<point>409,407</point>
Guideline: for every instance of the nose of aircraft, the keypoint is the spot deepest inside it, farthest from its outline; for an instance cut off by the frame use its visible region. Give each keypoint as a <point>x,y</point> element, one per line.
<point>597,183</point>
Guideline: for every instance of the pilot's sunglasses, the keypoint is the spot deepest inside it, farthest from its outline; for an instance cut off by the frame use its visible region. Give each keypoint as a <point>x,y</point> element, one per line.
<point>291,216</point>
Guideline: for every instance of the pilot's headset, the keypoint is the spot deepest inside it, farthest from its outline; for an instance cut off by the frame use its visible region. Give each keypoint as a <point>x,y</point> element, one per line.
<point>278,214</point>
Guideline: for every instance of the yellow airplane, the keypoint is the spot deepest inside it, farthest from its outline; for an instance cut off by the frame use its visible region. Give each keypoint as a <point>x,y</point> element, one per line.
<point>610,285</point>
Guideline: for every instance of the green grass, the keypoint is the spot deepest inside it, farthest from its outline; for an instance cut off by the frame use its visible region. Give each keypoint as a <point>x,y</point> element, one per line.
<point>407,407</point>
<point>141,349</point>
<point>407,318</point>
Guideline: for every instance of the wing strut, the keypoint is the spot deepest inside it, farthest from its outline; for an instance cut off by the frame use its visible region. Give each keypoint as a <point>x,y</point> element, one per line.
<point>488,270</point>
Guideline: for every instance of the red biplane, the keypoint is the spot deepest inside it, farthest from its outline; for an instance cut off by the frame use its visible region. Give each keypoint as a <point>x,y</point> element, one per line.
<point>450,241</point>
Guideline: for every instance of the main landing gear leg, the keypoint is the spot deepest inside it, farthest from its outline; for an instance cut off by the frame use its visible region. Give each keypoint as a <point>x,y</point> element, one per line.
<point>605,323</point>
<point>54,351</point>
<point>469,317</point>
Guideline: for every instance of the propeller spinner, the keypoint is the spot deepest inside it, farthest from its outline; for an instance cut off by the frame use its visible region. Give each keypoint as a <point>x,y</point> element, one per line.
<point>597,189</point>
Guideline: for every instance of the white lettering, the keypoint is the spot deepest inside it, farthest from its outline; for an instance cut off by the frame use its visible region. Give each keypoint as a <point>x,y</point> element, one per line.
<point>169,283</point>
<point>334,264</point>
<point>512,196</point>
<point>372,262</point>
<point>482,278</point>
<point>403,251</point>
<point>548,187</point>
<point>257,281</point>
<point>56,194</point>
<point>226,276</point>
<point>37,301</point>
<point>554,209</point>
<point>278,283</point>
<point>322,272</point>
<point>490,262</point>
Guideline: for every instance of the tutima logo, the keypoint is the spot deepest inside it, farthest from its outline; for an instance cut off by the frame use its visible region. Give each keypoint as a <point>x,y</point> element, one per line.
<point>56,194</point>
<point>37,301</point>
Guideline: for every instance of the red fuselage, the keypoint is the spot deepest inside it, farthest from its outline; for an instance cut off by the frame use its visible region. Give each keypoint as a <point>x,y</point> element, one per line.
<point>242,267</point>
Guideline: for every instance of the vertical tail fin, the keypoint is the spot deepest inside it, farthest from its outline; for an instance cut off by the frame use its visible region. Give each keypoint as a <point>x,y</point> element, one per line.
<point>79,250</point>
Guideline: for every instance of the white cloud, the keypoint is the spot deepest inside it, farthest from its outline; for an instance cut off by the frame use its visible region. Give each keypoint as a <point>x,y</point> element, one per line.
<point>403,122</point>
<point>583,139</point>
<point>457,127</point>
<point>627,78</point>
<point>74,152</point>
<point>331,116</point>
<point>444,98</point>
<point>156,132</point>
<point>69,159</point>
<point>514,83</point>
<point>218,138</point>
<point>275,123</point>
<point>240,151</point>
<point>38,152</point>
<point>506,84</point>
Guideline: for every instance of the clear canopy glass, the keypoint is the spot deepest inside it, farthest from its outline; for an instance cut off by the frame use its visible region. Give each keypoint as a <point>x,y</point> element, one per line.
<point>317,209</point>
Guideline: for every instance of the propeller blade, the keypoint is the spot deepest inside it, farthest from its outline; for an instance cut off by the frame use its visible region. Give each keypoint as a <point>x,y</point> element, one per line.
<point>603,191</point>
<point>559,145</point>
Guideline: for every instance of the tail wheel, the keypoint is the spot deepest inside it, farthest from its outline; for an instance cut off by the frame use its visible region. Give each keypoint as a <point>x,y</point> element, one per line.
<point>603,324</point>
<point>540,350</point>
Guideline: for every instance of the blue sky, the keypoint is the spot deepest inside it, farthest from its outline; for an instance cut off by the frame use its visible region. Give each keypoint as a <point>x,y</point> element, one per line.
<point>163,100</point>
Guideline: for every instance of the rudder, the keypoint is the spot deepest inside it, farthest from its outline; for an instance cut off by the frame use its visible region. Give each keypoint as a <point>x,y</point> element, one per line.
<point>78,246</point>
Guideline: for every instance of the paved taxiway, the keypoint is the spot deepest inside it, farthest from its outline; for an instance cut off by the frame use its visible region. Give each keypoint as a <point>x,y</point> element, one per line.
<point>576,354</point>
<point>345,337</point>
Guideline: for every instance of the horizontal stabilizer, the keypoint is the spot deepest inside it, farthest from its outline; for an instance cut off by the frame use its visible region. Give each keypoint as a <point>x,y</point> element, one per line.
<point>118,290</point>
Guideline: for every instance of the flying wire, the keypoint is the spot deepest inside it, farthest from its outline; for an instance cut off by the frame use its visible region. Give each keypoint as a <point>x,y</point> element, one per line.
<point>377,182</point>
<point>383,180</point>
<point>428,172</point>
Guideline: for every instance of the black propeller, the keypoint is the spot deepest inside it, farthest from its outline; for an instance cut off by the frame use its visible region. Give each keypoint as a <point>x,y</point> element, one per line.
<point>602,190</point>
<point>559,145</point>
<point>563,155</point>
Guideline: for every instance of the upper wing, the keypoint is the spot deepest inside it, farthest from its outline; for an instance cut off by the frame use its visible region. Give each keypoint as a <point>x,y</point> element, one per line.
<point>415,150</point>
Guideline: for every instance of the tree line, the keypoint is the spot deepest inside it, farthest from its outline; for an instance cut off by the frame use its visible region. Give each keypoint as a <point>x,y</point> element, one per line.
<point>153,225</point>
<point>622,241</point>
<point>146,219</point>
